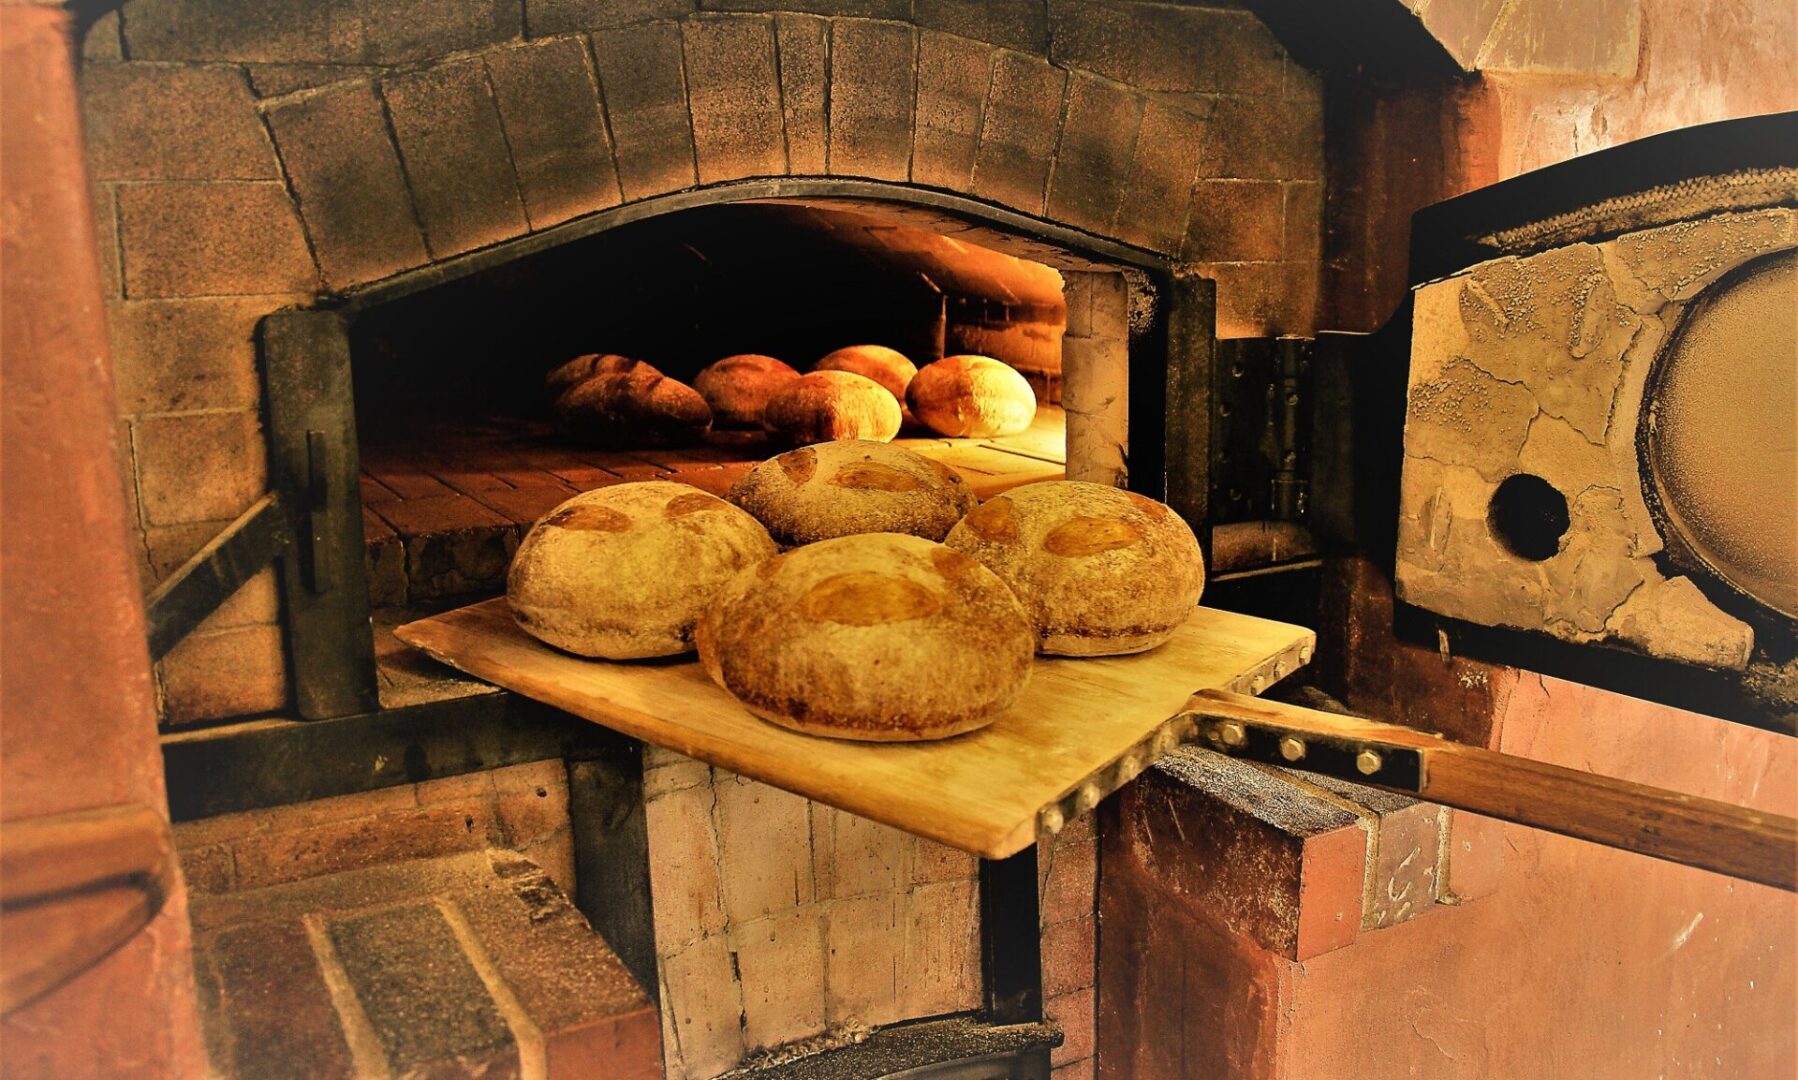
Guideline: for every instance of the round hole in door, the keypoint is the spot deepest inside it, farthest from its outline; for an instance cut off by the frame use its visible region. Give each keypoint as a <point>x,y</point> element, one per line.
<point>1528,516</point>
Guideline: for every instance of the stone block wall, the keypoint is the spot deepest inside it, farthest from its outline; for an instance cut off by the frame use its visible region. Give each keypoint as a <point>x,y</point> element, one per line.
<point>250,162</point>
<point>779,920</point>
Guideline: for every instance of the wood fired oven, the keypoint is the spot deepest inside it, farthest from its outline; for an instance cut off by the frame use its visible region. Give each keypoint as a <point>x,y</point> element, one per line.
<point>422,217</point>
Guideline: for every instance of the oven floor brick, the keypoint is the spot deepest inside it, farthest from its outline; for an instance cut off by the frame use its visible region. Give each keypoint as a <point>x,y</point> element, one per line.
<point>471,965</point>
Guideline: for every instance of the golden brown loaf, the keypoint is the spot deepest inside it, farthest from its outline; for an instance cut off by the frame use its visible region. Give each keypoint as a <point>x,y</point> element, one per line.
<point>1101,571</point>
<point>888,367</point>
<point>975,396</point>
<point>567,376</point>
<point>623,572</point>
<point>639,408</point>
<point>738,387</point>
<point>853,486</point>
<point>826,405</point>
<point>877,637</point>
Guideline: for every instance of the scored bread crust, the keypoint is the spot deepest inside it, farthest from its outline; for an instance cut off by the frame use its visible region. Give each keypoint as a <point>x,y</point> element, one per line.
<point>853,486</point>
<point>566,377</point>
<point>821,406</point>
<point>972,396</point>
<point>738,387</point>
<point>1102,571</point>
<point>622,572</point>
<point>635,408</point>
<point>878,637</point>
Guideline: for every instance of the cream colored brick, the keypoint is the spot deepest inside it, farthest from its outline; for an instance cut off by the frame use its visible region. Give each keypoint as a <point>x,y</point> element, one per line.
<point>932,861</point>
<point>665,771</point>
<point>683,869</point>
<point>765,843</point>
<point>867,857</point>
<point>940,970</point>
<point>704,1004</point>
<point>866,949</point>
<point>781,960</point>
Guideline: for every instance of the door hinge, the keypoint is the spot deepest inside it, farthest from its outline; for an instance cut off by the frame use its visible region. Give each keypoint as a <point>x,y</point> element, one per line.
<point>1260,430</point>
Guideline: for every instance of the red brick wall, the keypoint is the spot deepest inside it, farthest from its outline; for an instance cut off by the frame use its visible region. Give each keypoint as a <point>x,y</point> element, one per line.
<point>246,165</point>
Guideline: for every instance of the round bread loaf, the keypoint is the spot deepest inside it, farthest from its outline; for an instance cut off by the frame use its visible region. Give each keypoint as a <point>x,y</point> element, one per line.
<point>1101,571</point>
<point>975,396</point>
<point>622,572</point>
<point>826,405</point>
<point>567,376</point>
<point>639,408</point>
<point>738,387</point>
<point>888,367</point>
<point>853,486</point>
<point>877,637</point>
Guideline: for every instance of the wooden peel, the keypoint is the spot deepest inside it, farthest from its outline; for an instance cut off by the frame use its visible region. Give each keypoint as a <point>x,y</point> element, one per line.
<point>1662,824</point>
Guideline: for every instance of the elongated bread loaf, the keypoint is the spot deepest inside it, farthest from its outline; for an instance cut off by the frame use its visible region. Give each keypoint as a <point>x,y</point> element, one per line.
<point>825,405</point>
<point>973,396</point>
<point>639,408</point>
<point>853,486</point>
<point>738,387</point>
<point>567,376</point>
<point>622,572</point>
<point>888,367</point>
<point>877,637</point>
<point>1101,571</point>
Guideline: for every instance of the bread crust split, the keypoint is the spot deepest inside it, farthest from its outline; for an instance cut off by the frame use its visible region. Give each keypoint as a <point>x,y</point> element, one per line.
<point>1102,572</point>
<point>853,486</point>
<point>878,637</point>
<point>826,405</point>
<point>567,376</point>
<point>888,367</point>
<point>593,576</point>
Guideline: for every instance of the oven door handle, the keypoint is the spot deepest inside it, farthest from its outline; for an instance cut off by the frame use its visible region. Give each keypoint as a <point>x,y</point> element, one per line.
<point>1685,829</point>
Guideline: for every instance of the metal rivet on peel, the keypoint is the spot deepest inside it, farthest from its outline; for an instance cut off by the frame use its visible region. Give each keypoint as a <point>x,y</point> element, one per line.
<point>1086,798</point>
<point>1231,733</point>
<point>1367,762</point>
<point>1052,820</point>
<point>1292,749</point>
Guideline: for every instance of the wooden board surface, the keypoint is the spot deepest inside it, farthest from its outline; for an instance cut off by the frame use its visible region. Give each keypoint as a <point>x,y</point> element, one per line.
<point>1081,729</point>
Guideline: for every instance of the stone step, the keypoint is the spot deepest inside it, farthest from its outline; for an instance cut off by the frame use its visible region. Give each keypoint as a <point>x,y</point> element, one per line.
<point>472,965</point>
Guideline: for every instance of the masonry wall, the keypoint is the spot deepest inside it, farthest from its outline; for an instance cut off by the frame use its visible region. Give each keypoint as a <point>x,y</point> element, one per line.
<point>245,165</point>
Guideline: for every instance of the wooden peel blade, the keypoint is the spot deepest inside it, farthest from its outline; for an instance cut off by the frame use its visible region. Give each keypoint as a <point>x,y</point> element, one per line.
<point>1662,824</point>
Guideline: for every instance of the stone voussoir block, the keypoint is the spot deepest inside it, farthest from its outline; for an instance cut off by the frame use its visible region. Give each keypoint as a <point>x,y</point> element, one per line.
<point>953,76</point>
<point>554,124</point>
<point>1235,220</point>
<point>150,121</point>
<point>346,174</point>
<point>306,32</point>
<point>1018,138</point>
<point>642,78</point>
<point>215,238</point>
<point>547,17</point>
<point>1258,138</point>
<point>734,88</point>
<point>1011,24</point>
<point>447,125</point>
<point>1163,167</point>
<point>1098,139</point>
<point>873,90</point>
<point>803,43</point>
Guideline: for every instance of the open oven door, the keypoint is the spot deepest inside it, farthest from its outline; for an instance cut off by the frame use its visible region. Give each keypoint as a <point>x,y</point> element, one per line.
<point>1596,381</point>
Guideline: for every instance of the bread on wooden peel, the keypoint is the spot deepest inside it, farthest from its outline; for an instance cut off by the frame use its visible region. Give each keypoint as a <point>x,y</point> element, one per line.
<point>826,405</point>
<point>738,387</point>
<point>622,572</point>
<point>1101,571</point>
<point>973,396</point>
<point>853,486</point>
<point>888,367</point>
<point>877,637</point>
<point>636,408</point>
<point>566,377</point>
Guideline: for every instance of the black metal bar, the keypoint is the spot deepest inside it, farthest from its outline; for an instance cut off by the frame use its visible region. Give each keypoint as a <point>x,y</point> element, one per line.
<point>197,588</point>
<point>1011,962</point>
<point>1186,415</point>
<point>611,855</point>
<point>262,763</point>
<point>313,461</point>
